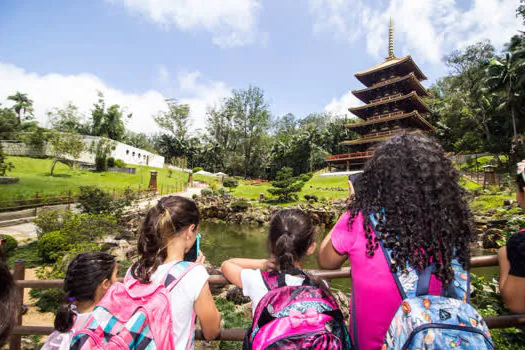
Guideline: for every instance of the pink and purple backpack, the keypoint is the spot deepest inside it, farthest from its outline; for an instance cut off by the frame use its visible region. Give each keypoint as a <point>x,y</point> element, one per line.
<point>296,317</point>
<point>133,315</point>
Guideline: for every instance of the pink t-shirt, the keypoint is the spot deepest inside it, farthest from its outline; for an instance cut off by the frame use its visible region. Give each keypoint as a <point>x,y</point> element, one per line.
<point>374,291</point>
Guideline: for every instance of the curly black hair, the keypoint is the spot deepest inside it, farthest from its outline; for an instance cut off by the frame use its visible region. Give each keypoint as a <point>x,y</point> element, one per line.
<point>423,215</point>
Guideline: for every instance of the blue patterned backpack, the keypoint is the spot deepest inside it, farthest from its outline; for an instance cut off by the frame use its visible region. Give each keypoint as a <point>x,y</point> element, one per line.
<point>429,322</point>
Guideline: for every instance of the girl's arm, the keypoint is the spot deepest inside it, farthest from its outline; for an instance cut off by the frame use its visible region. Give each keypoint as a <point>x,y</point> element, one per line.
<point>504,267</point>
<point>328,257</point>
<point>206,311</point>
<point>232,268</point>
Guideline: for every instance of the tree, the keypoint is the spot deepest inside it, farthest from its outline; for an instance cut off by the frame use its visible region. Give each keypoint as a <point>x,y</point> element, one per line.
<point>68,119</point>
<point>220,135</point>
<point>251,117</point>
<point>102,149</point>
<point>65,147</point>
<point>107,122</point>
<point>8,124</point>
<point>138,140</point>
<point>286,186</point>
<point>4,165</point>
<point>23,105</point>
<point>175,120</point>
<point>507,76</point>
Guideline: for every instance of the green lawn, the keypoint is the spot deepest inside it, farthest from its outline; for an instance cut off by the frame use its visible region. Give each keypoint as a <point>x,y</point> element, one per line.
<point>318,185</point>
<point>34,177</point>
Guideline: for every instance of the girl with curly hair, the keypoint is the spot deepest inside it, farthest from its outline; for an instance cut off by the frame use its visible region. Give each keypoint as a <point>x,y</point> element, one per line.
<point>423,219</point>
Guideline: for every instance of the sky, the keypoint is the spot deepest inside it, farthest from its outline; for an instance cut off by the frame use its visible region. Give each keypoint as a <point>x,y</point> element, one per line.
<point>302,53</point>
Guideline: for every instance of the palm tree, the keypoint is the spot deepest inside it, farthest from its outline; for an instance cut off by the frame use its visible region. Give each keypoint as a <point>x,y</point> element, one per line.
<point>23,103</point>
<point>507,76</point>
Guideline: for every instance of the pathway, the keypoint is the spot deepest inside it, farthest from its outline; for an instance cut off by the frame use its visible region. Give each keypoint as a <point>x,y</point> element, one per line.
<point>27,231</point>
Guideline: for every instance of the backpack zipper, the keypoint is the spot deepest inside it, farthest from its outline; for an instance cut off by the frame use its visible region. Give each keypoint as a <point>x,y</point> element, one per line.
<point>444,326</point>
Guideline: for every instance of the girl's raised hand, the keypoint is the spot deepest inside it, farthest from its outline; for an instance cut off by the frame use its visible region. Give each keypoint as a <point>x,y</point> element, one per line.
<point>268,265</point>
<point>201,259</point>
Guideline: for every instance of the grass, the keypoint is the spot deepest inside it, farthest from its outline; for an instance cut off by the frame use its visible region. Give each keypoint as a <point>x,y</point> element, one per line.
<point>330,187</point>
<point>489,201</point>
<point>28,252</point>
<point>469,185</point>
<point>34,177</point>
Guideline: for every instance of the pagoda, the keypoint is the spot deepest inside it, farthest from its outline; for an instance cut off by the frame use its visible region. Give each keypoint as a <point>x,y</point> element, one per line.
<point>393,105</point>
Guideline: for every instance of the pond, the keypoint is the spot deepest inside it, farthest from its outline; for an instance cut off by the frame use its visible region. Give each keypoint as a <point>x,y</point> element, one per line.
<point>224,241</point>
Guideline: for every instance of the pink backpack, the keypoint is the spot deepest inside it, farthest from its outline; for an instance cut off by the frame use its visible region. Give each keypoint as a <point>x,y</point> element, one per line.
<point>134,315</point>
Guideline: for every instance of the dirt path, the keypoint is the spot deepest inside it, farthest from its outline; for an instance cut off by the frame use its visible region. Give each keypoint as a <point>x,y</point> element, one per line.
<point>33,317</point>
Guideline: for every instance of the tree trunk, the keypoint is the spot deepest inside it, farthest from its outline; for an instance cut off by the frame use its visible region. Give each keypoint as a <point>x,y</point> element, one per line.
<point>514,147</point>
<point>55,161</point>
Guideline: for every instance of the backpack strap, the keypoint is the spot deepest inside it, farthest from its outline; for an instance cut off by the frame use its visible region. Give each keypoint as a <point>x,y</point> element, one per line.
<point>171,280</point>
<point>277,279</point>
<point>388,256</point>
<point>266,317</point>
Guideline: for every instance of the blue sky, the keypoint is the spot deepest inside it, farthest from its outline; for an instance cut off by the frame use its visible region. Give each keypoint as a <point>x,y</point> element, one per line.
<point>302,53</point>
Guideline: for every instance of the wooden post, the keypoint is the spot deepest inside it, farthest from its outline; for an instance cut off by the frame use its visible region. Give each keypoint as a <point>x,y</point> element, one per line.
<point>69,200</point>
<point>347,165</point>
<point>18,274</point>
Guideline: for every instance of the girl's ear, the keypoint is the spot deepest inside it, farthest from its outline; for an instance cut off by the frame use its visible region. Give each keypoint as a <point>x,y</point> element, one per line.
<point>311,249</point>
<point>105,285</point>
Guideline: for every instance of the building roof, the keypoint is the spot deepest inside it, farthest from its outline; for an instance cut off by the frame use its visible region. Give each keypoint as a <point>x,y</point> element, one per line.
<point>410,79</point>
<point>379,138</point>
<point>419,105</point>
<point>405,63</point>
<point>414,116</point>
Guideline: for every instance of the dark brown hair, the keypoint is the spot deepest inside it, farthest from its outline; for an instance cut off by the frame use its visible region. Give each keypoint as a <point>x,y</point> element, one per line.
<point>84,274</point>
<point>291,234</point>
<point>424,216</point>
<point>8,303</point>
<point>168,218</point>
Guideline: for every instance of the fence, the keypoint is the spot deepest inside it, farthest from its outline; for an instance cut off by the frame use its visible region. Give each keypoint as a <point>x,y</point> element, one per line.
<point>225,334</point>
<point>40,199</point>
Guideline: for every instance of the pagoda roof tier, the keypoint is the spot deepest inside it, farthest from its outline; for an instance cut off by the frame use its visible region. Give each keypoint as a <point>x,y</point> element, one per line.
<point>410,101</point>
<point>378,73</point>
<point>405,84</point>
<point>413,118</point>
<point>350,156</point>
<point>379,136</point>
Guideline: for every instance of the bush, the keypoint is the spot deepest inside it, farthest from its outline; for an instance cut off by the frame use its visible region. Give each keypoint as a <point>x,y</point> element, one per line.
<point>197,168</point>
<point>230,183</point>
<point>309,198</point>
<point>48,221</point>
<point>10,244</point>
<point>195,196</point>
<point>52,245</point>
<point>285,186</point>
<point>206,192</point>
<point>94,200</point>
<point>101,163</point>
<point>222,191</point>
<point>119,163</point>
<point>240,205</point>
<point>111,162</point>
<point>306,177</point>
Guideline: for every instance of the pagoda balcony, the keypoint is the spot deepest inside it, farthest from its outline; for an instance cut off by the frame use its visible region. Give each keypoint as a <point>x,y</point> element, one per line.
<point>350,156</point>
<point>386,98</point>
<point>404,84</point>
<point>379,136</point>
<point>408,102</point>
<point>415,119</point>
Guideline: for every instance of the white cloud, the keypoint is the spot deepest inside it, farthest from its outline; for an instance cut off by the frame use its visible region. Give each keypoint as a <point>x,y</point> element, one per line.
<point>56,90</point>
<point>339,106</point>
<point>231,22</point>
<point>427,29</point>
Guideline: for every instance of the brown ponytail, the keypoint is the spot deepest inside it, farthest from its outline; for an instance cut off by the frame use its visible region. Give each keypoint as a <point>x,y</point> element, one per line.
<point>165,220</point>
<point>291,234</point>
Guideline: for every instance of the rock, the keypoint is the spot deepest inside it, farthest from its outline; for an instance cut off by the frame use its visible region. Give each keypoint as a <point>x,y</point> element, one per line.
<point>124,235</point>
<point>235,295</point>
<point>491,237</point>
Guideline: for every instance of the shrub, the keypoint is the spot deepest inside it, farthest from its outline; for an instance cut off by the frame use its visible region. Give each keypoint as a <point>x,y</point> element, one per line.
<point>48,221</point>
<point>230,183</point>
<point>94,200</point>
<point>101,163</point>
<point>4,166</point>
<point>197,168</point>
<point>195,196</point>
<point>222,191</point>
<point>10,244</point>
<point>286,186</point>
<point>312,197</point>
<point>240,205</point>
<point>119,163</point>
<point>52,245</point>
<point>305,177</point>
<point>206,192</point>
<point>111,162</point>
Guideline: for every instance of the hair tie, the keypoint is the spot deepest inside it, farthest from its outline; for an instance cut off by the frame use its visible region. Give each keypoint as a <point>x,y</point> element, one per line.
<point>71,299</point>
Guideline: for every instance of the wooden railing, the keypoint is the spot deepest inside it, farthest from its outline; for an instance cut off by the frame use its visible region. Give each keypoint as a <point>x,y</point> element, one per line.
<point>349,156</point>
<point>386,98</point>
<point>226,334</point>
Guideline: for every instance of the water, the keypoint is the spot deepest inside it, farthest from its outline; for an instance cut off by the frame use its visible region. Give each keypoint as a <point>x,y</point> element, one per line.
<point>224,241</point>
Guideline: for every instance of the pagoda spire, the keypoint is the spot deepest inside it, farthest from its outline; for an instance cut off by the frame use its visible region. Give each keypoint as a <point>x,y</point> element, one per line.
<point>391,39</point>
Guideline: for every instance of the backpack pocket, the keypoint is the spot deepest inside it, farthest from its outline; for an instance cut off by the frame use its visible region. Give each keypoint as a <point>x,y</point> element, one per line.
<point>445,336</point>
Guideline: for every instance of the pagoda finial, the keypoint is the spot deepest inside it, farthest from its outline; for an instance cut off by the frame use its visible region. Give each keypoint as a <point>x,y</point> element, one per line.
<point>391,39</point>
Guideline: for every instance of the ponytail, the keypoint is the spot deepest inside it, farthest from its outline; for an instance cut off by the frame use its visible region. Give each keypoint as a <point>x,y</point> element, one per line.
<point>291,234</point>
<point>164,221</point>
<point>65,318</point>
